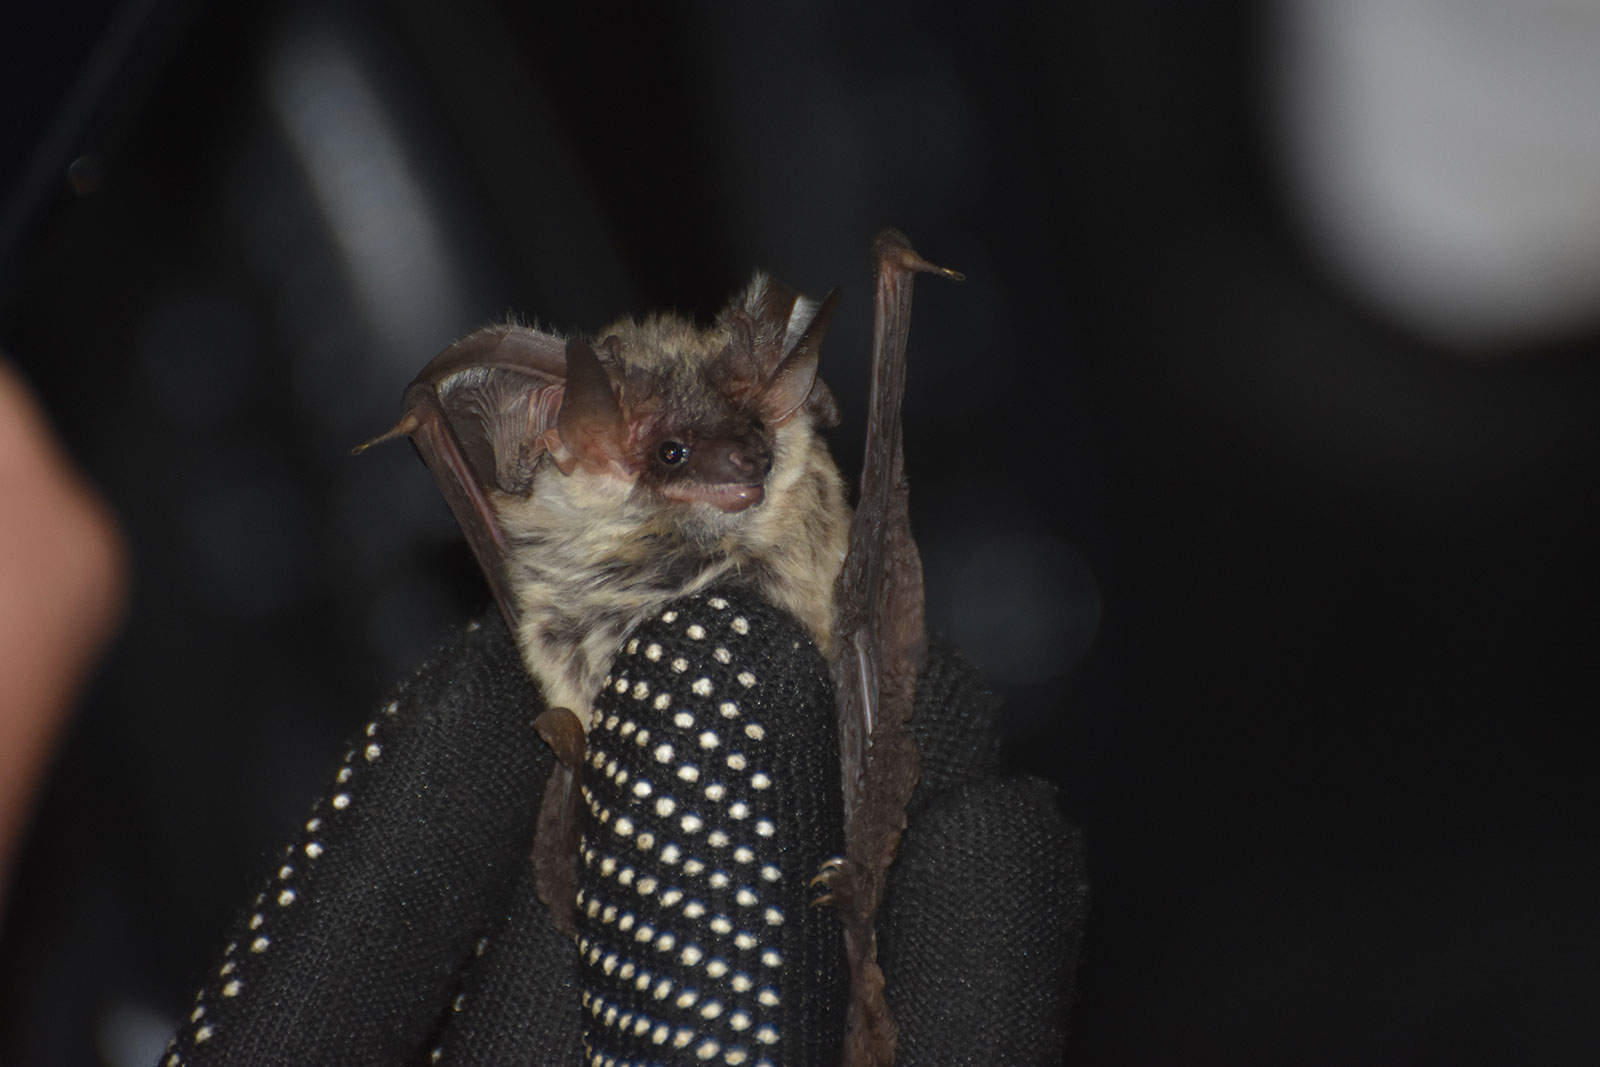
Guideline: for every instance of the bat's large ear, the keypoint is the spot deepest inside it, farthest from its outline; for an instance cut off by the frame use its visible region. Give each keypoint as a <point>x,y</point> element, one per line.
<point>590,428</point>
<point>769,319</point>
<point>478,414</point>
<point>487,398</point>
<point>794,382</point>
<point>499,388</point>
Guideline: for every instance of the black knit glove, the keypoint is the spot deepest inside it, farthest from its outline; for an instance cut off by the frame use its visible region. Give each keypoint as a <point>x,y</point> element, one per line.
<point>401,927</point>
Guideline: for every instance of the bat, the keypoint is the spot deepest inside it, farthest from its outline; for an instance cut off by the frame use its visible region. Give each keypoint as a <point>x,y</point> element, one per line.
<point>598,480</point>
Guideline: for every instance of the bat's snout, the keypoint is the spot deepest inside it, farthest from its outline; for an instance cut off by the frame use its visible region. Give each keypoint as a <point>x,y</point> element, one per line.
<point>742,460</point>
<point>752,465</point>
<point>729,473</point>
<point>739,467</point>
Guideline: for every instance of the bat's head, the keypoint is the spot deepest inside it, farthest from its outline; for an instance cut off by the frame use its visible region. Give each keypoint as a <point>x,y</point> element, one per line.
<point>657,455</point>
<point>696,419</point>
<point>659,421</point>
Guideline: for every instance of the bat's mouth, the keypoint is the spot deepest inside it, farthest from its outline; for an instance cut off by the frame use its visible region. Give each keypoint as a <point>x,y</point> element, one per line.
<point>726,498</point>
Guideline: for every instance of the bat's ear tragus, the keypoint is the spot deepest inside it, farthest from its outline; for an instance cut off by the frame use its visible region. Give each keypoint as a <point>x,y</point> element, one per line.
<point>790,385</point>
<point>590,424</point>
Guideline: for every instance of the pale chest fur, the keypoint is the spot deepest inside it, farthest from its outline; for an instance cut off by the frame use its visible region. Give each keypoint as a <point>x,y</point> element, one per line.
<point>592,557</point>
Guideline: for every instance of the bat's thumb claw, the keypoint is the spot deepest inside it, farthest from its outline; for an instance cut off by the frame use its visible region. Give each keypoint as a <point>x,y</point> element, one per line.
<point>404,428</point>
<point>895,247</point>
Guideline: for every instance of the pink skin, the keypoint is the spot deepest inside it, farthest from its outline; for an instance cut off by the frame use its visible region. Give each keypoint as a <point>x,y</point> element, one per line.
<point>63,578</point>
<point>727,498</point>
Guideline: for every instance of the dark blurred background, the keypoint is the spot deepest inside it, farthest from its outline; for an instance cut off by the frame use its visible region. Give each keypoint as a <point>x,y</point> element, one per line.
<point>1256,461</point>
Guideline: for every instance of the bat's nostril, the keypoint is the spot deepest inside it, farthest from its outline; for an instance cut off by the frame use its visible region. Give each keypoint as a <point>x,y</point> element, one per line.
<point>747,462</point>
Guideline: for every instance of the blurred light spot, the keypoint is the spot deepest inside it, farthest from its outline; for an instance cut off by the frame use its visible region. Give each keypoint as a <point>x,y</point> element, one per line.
<point>86,173</point>
<point>1022,605</point>
<point>1446,157</point>
<point>366,188</point>
<point>199,355</point>
<point>251,546</point>
<point>132,1035</point>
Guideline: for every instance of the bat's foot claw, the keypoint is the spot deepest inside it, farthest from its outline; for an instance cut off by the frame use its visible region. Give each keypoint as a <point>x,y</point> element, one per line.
<point>831,870</point>
<point>835,880</point>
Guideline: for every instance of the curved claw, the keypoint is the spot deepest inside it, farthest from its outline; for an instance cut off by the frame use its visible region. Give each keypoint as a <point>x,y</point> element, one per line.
<point>890,244</point>
<point>837,880</point>
<point>831,869</point>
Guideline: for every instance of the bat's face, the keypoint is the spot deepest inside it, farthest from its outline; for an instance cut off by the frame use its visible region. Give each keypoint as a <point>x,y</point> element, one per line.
<point>724,465</point>
<point>692,426</point>
<point>695,438</point>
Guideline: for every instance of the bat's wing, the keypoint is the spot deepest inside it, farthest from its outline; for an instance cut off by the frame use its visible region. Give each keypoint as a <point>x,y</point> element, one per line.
<point>478,414</point>
<point>482,413</point>
<point>880,645</point>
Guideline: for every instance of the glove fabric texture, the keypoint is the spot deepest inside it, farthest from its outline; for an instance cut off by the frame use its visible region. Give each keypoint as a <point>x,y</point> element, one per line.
<point>401,926</point>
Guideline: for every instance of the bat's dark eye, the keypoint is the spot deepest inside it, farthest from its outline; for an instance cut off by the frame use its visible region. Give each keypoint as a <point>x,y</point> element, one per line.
<point>672,453</point>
